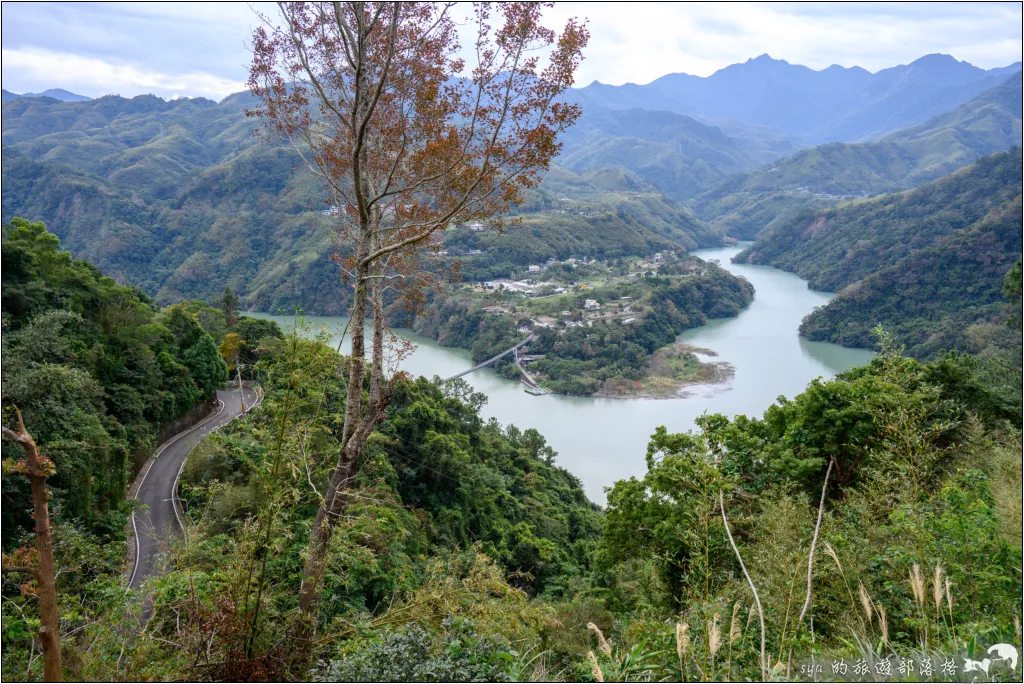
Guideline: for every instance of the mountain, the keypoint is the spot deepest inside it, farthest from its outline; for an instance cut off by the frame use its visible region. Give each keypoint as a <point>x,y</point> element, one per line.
<point>747,204</point>
<point>675,153</point>
<point>928,264</point>
<point>55,93</point>
<point>178,198</point>
<point>837,104</point>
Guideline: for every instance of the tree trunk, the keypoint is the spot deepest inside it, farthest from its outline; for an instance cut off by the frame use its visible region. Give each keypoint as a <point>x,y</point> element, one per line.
<point>330,507</point>
<point>49,631</point>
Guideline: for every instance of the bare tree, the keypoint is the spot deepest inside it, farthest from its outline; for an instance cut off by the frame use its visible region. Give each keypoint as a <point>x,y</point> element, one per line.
<point>37,468</point>
<point>407,139</point>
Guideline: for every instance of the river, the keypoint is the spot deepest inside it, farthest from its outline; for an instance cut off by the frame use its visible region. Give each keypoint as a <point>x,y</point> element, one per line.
<point>604,440</point>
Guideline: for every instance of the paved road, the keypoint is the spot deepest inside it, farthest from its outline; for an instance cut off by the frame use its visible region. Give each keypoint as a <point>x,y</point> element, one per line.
<point>155,524</point>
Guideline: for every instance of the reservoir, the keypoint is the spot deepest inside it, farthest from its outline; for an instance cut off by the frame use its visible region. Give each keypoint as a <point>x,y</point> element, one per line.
<point>604,440</point>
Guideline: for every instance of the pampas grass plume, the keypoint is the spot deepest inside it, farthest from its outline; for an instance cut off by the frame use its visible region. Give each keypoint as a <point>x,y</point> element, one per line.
<point>602,643</point>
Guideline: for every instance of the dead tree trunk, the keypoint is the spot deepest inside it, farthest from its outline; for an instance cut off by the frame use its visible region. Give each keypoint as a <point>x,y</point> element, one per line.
<point>37,468</point>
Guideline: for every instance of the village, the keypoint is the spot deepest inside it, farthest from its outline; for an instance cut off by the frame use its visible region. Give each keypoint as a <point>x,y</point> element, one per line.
<point>578,292</point>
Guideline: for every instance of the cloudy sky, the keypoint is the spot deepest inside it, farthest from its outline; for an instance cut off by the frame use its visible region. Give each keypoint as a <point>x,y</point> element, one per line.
<point>202,48</point>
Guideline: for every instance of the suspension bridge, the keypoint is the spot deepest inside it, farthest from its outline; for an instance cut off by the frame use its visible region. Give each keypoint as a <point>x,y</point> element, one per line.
<point>531,385</point>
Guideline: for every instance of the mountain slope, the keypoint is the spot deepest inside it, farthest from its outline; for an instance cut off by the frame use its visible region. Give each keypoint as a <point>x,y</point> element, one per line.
<point>747,204</point>
<point>179,199</point>
<point>928,264</point>
<point>948,296</point>
<point>835,248</point>
<point>677,154</point>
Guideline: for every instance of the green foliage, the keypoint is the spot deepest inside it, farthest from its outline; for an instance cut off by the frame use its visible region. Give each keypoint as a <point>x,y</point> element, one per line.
<point>929,264</point>
<point>96,371</point>
<point>411,654</point>
<point>916,467</point>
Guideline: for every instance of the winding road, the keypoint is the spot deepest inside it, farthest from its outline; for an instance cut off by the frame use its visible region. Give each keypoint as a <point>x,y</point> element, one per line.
<point>158,519</point>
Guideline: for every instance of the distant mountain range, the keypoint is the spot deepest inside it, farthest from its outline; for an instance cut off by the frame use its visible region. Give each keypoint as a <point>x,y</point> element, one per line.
<point>750,203</point>
<point>55,93</point>
<point>837,104</point>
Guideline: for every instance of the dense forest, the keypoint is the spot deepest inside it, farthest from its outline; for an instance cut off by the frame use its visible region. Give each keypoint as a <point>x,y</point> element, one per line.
<point>96,370</point>
<point>928,264</point>
<point>467,553</point>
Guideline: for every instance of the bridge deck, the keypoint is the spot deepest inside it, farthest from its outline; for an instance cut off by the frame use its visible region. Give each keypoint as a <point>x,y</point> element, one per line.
<point>491,360</point>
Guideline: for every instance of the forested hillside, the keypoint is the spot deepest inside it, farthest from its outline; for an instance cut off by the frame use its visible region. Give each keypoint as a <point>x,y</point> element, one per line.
<point>178,199</point>
<point>928,264</point>
<point>677,154</point>
<point>750,203</point>
<point>466,553</point>
<point>96,371</point>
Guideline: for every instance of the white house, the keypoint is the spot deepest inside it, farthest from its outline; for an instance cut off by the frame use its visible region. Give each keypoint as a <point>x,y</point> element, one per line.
<point>534,268</point>
<point>591,304</point>
<point>476,226</point>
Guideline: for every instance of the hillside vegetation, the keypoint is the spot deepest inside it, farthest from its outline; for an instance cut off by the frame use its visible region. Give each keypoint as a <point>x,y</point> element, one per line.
<point>750,203</point>
<point>178,199</point>
<point>468,554</point>
<point>927,264</point>
<point>96,371</point>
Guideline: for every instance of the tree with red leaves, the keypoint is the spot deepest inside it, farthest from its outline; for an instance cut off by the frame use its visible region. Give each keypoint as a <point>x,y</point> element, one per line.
<point>407,139</point>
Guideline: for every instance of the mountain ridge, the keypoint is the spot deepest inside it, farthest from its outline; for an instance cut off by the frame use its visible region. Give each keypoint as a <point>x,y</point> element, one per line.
<point>836,104</point>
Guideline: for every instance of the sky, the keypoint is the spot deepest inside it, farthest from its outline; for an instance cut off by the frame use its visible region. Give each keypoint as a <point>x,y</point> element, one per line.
<point>202,49</point>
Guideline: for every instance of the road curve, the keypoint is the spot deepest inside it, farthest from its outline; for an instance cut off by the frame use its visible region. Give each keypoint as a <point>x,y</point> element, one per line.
<point>157,521</point>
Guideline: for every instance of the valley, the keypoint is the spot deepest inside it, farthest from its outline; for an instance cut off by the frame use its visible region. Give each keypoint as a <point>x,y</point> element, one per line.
<point>712,377</point>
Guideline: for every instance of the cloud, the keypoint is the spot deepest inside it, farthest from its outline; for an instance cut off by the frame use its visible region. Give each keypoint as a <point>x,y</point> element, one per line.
<point>95,77</point>
<point>203,48</point>
<point>700,38</point>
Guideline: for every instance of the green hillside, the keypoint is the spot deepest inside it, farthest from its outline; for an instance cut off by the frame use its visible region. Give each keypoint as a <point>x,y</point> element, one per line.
<point>179,199</point>
<point>678,155</point>
<point>96,371</point>
<point>949,296</point>
<point>927,264</point>
<point>749,203</point>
